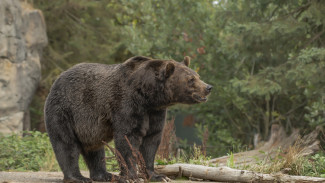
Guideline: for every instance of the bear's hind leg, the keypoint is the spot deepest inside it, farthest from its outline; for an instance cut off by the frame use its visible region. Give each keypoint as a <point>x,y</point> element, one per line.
<point>65,145</point>
<point>68,158</point>
<point>97,167</point>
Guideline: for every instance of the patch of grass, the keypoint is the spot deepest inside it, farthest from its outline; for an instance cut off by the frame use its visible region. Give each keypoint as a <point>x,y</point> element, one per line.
<point>33,152</point>
<point>198,157</point>
<point>292,162</point>
<point>195,156</point>
<point>231,160</point>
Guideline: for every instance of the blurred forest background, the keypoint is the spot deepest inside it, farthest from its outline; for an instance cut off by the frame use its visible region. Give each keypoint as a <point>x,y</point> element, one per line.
<point>265,59</point>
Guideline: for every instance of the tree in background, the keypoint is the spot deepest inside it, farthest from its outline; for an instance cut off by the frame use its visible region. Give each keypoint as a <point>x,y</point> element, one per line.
<point>275,50</point>
<point>265,59</point>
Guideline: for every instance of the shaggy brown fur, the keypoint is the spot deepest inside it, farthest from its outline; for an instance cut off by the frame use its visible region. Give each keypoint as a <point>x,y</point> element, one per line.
<point>91,103</point>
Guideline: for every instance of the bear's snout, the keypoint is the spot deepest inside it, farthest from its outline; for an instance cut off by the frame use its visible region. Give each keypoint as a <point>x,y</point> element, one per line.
<point>209,88</point>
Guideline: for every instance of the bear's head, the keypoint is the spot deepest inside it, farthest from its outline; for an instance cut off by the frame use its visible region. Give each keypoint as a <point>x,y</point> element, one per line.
<point>166,82</point>
<point>184,84</point>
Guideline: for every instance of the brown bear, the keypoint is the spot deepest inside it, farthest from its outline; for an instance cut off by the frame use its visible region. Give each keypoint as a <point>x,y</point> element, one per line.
<point>91,103</point>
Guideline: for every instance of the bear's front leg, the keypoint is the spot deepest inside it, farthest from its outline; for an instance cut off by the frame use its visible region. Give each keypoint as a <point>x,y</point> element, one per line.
<point>129,129</point>
<point>148,150</point>
<point>129,163</point>
<point>151,141</point>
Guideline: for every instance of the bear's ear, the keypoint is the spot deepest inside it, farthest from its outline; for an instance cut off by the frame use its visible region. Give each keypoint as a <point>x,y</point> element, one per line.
<point>187,61</point>
<point>170,68</point>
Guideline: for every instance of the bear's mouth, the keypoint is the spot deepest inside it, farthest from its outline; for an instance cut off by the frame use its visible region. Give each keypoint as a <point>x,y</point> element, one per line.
<point>199,98</point>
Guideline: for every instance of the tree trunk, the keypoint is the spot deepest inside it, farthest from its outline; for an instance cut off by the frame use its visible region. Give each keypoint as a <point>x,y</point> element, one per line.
<point>226,174</point>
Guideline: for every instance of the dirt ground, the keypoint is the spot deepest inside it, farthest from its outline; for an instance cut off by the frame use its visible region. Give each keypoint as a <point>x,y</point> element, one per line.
<point>43,177</point>
<point>37,177</point>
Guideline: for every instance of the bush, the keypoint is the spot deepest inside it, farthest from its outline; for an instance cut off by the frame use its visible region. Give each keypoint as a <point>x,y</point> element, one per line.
<point>32,151</point>
<point>316,165</point>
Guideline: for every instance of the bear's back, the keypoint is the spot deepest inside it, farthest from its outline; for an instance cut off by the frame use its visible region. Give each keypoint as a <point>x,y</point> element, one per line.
<point>83,95</point>
<point>84,85</point>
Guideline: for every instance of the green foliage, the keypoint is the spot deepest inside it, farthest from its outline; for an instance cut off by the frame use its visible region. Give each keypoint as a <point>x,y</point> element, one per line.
<point>111,162</point>
<point>316,165</point>
<point>165,29</point>
<point>277,71</point>
<point>315,115</point>
<point>33,152</point>
<point>231,160</point>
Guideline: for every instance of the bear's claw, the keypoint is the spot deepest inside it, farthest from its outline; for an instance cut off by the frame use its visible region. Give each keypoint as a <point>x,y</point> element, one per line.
<point>77,180</point>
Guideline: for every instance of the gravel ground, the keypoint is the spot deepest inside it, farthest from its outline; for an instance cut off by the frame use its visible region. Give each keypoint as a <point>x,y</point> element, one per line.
<point>46,177</point>
<point>35,177</point>
<point>13,177</point>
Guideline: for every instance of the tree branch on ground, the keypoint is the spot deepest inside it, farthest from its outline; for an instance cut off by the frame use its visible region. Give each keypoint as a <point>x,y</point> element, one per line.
<point>226,174</point>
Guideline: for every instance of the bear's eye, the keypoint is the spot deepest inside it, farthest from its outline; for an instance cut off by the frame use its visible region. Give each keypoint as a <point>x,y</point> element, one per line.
<point>191,80</point>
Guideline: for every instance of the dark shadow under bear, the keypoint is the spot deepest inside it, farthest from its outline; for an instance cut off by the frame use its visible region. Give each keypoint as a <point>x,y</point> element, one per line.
<point>91,103</point>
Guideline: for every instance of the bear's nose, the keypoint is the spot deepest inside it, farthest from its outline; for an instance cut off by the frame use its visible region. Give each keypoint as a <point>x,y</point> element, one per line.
<point>209,88</point>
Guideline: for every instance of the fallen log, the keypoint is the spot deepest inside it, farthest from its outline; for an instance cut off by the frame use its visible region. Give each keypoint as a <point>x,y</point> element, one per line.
<point>226,174</point>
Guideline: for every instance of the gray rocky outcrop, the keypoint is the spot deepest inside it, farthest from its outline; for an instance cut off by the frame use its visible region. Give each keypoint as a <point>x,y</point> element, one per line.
<point>22,38</point>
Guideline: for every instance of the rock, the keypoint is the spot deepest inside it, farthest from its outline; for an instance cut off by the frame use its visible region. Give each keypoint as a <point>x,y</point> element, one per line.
<point>11,123</point>
<point>22,38</point>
